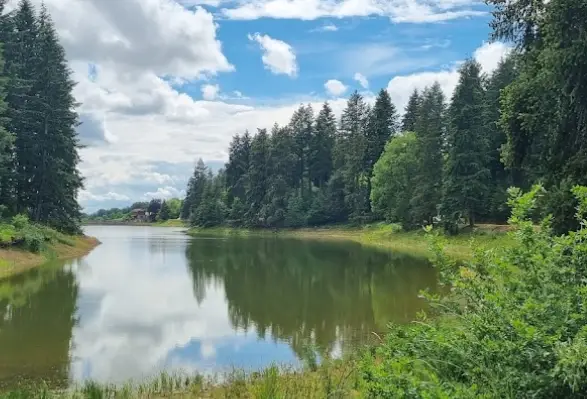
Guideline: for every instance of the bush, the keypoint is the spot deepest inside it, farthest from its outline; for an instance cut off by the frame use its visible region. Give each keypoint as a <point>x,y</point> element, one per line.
<point>513,324</point>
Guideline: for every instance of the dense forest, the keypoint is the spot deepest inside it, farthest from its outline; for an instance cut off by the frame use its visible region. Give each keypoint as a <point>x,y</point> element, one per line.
<point>38,140</point>
<point>438,163</point>
<point>445,161</point>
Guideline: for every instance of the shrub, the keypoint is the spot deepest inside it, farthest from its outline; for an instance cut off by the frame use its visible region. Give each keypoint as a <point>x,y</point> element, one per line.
<point>513,324</point>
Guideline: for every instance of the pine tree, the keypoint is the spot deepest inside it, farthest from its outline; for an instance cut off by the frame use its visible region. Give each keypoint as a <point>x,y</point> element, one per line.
<point>195,189</point>
<point>382,125</point>
<point>164,212</point>
<point>500,177</point>
<point>466,176</point>
<point>56,179</point>
<point>6,150</point>
<point>22,64</point>
<point>350,153</point>
<point>258,177</point>
<point>411,112</point>
<point>237,167</point>
<point>321,146</point>
<point>430,132</point>
<point>302,127</point>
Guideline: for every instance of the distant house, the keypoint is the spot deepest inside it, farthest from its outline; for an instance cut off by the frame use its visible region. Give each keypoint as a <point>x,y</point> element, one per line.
<point>139,215</point>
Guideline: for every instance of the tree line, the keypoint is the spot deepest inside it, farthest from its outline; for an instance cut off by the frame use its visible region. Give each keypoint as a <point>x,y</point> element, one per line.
<point>38,139</point>
<point>439,162</point>
<point>158,209</point>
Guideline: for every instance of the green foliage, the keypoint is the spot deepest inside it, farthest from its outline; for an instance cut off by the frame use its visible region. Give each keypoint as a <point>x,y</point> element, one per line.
<point>466,168</point>
<point>511,326</point>
<point>20,232</point>
<point>393,179</point>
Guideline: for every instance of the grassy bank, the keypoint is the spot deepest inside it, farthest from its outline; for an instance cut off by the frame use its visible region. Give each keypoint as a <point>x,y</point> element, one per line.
<point>381,235</point>
<point>24,245</point>
<point>338,379</point>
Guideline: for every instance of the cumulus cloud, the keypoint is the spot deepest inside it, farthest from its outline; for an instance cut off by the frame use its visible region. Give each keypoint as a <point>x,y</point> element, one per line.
<point>359,77</point>
<point>210,92</point>
<point>335,87</point>
<point>400,87</point>
<point>278,56</point>
<point>165,193</point>
<point>407,11</point>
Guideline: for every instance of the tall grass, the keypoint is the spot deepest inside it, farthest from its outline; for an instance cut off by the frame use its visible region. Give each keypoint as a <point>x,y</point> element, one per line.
<point>336,379</point>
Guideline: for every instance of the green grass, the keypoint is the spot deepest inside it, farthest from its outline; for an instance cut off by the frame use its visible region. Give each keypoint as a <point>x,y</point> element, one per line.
<point>380,235</point>
<point>335,379</point>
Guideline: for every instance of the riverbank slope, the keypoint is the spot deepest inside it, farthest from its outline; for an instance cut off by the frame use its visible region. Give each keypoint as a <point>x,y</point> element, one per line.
<point>379,235</point>
<point>24,245</point>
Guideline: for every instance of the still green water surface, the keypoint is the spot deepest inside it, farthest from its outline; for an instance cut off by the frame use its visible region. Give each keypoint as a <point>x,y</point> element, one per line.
<point>151,299</point>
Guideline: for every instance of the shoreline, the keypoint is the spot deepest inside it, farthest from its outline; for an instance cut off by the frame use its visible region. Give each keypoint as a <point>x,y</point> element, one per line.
<point>382,236</point>
<point>167,223</point>
<point>17,261</point>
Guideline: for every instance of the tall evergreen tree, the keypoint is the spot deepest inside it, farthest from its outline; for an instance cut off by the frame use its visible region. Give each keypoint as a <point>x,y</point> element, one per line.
<point>382,125</point>
<point>411,112</point>
<point>56,179</point>
<point>6,148</point>
<point>466,176</point>
<point>430,132</point>
<point>22,64</point>
<point>259,170</point>
<point>321,146</point>
<point>349,155</point>
<point>500,177</point>
<point>302,127</point>
<point>195,189</point>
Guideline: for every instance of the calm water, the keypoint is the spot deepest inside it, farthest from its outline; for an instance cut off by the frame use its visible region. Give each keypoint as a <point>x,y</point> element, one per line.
<point>151,299</point>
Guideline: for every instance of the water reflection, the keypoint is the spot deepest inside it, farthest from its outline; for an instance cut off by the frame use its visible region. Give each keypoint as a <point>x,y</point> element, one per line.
<point>310,294</point>
<point>36,321</point>
<point>152,299</point>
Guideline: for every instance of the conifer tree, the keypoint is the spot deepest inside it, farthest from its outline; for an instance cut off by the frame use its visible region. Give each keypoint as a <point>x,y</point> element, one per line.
<point>195,189</point>
<point>430,132</point>
<point>411,112</point>
<point>382,125</point>
<point>321,146</point>
<point>466,176</point>
<point>259,170</point>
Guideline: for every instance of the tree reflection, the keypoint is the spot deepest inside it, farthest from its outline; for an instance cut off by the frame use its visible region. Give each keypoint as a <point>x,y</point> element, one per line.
<point>310,293</point>
<point>37,315</point>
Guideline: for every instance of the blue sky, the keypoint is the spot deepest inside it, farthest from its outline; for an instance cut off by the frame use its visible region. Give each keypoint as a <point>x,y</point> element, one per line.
<point>165,82</point>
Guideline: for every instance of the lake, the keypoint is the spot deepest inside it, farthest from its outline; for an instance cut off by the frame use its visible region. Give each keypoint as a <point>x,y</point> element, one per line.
<point>151,299</point>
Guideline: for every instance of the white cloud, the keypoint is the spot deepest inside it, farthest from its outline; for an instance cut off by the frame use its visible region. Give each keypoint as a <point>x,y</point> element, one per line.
<point>210,92</point>
<point>489,55</point>
<point>412,11</point>
<point>85,195</point>
<point>359,77</point>
<point>278,56</point>
<point>165,193</point>
<point>329,27</point>
<point>335,87</point>
<point>401,87</point>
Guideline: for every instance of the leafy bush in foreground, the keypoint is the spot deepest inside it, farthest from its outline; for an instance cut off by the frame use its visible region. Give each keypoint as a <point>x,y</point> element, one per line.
<point>513,325</point>
<point>21,233</point>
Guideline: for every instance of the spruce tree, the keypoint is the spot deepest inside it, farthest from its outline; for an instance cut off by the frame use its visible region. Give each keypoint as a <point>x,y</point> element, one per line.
<point>430,132</point>
<point>195,189</point>
<point>321,146</point>
<point>466,176</point>
<point>6,151</point>
<point>349,155</point>
<point>496,137</point>
<point>258,177</point>
<point>164,212</point>
<point>22,65</point>
<point>382,125</point>
<point>302,127</point>
<point>56,179</point>
<point>411,112</point>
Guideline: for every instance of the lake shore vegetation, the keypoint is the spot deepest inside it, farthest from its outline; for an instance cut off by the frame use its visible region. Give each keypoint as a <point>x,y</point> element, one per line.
<point>24,244</point>
<point>39,144</point>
